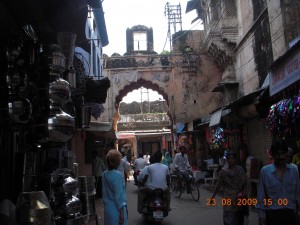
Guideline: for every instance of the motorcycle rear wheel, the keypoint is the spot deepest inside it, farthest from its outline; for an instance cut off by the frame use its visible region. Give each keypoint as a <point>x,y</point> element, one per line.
<point>175,189</point>
<point>195,191</point>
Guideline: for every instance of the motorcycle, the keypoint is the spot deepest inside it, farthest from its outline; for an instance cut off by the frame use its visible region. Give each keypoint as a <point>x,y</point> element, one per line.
<point>155,206</point>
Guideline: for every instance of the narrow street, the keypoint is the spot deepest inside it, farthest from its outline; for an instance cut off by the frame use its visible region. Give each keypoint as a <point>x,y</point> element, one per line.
<point>184,211</point>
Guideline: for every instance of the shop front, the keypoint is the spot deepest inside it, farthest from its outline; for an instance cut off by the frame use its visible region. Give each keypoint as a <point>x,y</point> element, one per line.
<point>150,142</point>
<point>284,92</point>
<point>127,144</point>
<point>252,137</point>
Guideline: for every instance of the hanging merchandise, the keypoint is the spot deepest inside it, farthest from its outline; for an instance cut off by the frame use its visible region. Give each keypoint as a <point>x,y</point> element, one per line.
<point>183,140</point>
<point>217,138</point>
<point>283,118</point>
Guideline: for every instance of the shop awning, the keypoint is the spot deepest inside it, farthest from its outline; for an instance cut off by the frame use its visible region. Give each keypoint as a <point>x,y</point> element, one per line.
<point>191,5</point>
<point>220,86</point>
<point>203,121</point>
<point>217,115</point>
<point>180,127</point>
<point>195,4</point>
<point>102,129</point>
<point>151,134</point>
<point>245,100</point>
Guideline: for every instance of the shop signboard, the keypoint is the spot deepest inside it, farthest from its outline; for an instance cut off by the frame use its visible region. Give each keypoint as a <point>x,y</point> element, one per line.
<point>125,135</point>
<point>285,74</point>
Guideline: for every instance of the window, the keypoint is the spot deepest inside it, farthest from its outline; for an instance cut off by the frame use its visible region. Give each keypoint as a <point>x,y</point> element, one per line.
<point>140,41</point>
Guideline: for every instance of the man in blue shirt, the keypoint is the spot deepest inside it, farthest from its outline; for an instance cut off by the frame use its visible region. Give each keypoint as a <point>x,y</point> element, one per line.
<point>279,189</point>
<point>154,176</point>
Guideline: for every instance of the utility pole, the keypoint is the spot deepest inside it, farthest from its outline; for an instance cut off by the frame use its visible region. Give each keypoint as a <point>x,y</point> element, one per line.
<point>144,92</point>
<point>173,13</point>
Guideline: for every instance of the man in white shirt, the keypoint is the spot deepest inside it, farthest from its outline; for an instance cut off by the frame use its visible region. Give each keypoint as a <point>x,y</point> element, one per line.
<point>154,176</point>
<point>138,165</point>
<point>181,159</point>
<point>181,165</point>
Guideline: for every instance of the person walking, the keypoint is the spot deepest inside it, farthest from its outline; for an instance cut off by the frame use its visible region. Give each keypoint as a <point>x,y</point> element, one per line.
<point>98,167</point>
<point>113,190</point>
<point>167,160</point>
<point>232,178</point>
<point>278,189</point>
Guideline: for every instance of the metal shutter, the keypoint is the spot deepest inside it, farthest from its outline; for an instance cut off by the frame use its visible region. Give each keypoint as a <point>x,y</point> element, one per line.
<point>259,138</point>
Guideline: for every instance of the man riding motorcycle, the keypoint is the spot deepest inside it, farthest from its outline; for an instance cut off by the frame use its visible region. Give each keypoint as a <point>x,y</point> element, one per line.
<point>138,165</point>
<point>181,165</point>
<point>152,177</point>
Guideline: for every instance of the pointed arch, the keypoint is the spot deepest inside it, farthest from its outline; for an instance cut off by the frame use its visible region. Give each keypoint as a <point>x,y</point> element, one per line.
<point>136,85</point>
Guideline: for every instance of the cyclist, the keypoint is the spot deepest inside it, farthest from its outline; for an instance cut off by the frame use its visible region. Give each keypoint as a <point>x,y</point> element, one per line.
<point>181,165</point>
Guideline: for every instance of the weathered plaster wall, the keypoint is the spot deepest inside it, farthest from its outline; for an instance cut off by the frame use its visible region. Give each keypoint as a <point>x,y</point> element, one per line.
<point>276,28</point>
<point>245,66</point>
<point>245,17</point>
<point>245,69</point>
<point>284,23</point>
<point>185,79</point>
<point>121,78</point>
<point>193,96</point>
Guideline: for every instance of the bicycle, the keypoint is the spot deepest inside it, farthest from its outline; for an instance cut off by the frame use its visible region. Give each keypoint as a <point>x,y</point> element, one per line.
<point>177,189</point>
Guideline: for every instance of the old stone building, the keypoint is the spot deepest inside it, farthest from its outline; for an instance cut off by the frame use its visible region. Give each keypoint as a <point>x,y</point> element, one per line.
<point>220,80</point>
<point>255,46</point>
<point>184,78</point>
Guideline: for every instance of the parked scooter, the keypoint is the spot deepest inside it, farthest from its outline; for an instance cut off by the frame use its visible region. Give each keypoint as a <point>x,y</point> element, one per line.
<point>155,206</point>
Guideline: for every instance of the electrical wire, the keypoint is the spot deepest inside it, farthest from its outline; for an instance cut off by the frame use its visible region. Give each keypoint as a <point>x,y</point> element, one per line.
<point>253,36</point>
<point>244,46</point>
<point>165,41</point>
<point>186,31</point>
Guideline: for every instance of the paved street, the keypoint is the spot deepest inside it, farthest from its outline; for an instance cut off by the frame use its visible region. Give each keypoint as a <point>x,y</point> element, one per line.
<point>184,210</point>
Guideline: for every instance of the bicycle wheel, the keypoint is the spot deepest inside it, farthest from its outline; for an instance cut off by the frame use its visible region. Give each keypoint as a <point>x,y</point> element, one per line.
<point>176,191</point>
<point>195,191</point>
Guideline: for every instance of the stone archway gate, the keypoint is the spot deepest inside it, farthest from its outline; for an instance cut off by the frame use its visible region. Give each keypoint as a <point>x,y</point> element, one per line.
<point>127,73</point>
<point>185,82</point>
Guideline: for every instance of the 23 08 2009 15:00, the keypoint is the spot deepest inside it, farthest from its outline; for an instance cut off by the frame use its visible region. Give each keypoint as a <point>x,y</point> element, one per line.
<point>246,202</point>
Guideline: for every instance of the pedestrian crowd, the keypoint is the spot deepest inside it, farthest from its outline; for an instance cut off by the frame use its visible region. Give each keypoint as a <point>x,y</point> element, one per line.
<point>278,194</point>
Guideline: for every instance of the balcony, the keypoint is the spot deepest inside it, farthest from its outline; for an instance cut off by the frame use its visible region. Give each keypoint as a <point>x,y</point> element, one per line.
<point>148,121</point>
